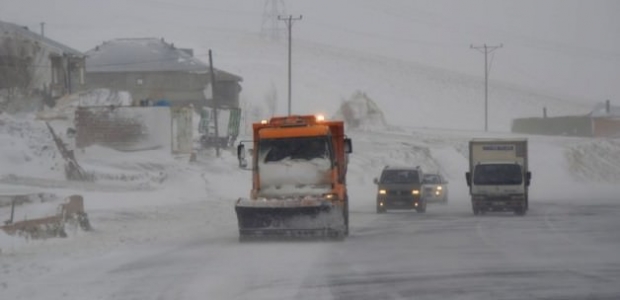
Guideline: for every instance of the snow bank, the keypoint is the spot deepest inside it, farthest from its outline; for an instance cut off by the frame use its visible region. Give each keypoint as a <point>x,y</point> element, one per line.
<point>27,148</point>
<point>361,112</point>
<point>596,160</point>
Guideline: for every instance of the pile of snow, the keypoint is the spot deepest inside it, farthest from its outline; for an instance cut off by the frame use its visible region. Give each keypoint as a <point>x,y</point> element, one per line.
<point>595,160</point>
<point>361,112</point>
<point>27,148</point>
<point>104,97</point>
<point>292,176</point>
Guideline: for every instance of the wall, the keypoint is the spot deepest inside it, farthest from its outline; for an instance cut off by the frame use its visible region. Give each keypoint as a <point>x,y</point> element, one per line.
<point>606,127</point>
<point>123,128</point>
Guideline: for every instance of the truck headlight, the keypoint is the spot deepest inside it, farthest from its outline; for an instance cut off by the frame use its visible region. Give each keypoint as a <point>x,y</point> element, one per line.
<point>415,192</point>
<point>382,192</point>
<point>439,188</point>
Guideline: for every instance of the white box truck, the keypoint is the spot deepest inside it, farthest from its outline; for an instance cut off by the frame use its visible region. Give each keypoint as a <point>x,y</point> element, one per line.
<point>498,176</point>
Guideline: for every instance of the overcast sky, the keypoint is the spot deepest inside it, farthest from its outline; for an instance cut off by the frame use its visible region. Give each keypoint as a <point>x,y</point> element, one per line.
<point>567,47</point>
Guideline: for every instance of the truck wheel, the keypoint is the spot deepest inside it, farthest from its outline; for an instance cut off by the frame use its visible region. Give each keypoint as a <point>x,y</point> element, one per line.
<point>520,211</point>
<point>527,204</point>
<point>346,216</point>
<point>422,208</point>
<point>476,210</point>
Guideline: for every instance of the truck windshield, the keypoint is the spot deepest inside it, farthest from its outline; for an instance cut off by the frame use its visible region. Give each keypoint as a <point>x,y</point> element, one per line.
<point>498,174</point>
<point>400,176</point>
<point>306,148</point>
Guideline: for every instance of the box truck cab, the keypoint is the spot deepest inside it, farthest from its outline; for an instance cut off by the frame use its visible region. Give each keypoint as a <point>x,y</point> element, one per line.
<point>498,176</point>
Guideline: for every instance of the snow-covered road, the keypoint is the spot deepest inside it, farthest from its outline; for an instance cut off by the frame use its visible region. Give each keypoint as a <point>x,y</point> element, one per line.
<point>557,251</point>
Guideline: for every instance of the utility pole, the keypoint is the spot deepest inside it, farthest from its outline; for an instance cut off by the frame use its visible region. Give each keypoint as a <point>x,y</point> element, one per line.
<point>214,99</point>
<point>289,23</point>
<point>42,28</point>
<point>486,50</point>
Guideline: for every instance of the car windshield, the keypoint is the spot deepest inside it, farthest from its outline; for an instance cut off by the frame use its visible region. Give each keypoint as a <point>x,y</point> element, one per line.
<point>498,174</point>
<point>400,176</point>
<point>432,179</point>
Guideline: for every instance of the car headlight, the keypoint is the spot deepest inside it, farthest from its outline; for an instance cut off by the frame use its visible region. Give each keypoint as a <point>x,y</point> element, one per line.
<point>382,192</point>
<point>415,192</point>
<point>330,196</point>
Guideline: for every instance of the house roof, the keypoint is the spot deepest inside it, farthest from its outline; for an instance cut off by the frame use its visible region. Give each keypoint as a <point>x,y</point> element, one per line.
<point>146,55</point>
<point>600,111</point>
<point>54,46</point>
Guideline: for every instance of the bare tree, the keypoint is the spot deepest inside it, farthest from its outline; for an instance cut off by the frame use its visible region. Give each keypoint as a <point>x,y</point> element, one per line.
<point>19,60</point>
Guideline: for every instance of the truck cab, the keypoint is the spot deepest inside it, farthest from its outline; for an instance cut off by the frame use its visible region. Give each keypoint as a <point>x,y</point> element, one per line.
<point>299,166</point>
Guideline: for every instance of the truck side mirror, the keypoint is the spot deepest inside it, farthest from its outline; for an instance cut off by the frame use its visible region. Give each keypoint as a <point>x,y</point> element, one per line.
<point>468,178</point>
<point>376,181</point>
<point>243,163</point>
<point>348,147</point>
<point>528,177</point>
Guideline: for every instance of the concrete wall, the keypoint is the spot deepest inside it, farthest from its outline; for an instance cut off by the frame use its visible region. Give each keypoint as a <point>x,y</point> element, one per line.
<point>180,88</point>
<point>123,128</point>
<point>606,127</point>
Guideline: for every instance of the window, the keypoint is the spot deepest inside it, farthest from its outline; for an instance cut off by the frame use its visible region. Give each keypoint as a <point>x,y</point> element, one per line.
<point>400,176</point>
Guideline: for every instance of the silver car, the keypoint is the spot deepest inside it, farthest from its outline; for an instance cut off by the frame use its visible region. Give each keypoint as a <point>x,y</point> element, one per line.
<point>435,188</point>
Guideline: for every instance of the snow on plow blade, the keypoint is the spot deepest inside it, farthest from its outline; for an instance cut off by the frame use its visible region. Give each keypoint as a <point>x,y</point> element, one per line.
<point>276,219</point>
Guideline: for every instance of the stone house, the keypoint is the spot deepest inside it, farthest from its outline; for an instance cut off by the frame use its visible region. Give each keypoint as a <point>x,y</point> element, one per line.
<point>34,63</point>
<point>152,69</point>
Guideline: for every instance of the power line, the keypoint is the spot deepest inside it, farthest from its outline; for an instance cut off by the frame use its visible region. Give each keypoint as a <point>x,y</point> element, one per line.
<point>289,24</point>
<point>487,50</point>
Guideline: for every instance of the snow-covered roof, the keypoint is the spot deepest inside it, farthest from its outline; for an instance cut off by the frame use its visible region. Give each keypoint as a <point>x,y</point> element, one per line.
<point>146,55</point>
<point>600,110</point>
<point>54,46</point>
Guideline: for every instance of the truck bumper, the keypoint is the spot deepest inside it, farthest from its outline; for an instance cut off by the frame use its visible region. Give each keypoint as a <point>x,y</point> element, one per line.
<point>498,204</point>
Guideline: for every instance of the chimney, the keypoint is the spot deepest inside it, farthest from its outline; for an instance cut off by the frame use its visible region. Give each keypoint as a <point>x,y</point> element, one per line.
<point>607,107</point>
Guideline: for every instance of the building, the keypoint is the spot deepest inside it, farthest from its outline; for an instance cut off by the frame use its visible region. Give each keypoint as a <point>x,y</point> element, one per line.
<point>606,120</point>
<point>31,62</point>
<point>602,121</point>
<point>152,69</point>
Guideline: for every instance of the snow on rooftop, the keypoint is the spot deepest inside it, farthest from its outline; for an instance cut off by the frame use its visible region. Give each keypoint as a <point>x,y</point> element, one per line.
<point>141,55</point>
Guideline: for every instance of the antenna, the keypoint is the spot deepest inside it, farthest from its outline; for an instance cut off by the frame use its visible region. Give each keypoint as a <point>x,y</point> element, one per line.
<point>270,26</point>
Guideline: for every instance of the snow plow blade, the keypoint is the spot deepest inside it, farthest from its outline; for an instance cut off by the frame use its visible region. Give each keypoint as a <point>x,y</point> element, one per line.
<point>266,222</point>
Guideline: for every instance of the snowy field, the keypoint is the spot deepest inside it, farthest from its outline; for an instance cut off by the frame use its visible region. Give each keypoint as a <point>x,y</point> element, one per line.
<point>165,228</point>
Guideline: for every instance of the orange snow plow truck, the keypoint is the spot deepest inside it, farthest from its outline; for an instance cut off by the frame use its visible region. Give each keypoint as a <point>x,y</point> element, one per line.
<point>299,166</point>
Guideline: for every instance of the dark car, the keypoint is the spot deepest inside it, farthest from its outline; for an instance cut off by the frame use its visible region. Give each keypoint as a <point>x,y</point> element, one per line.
<point>400,188</point>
